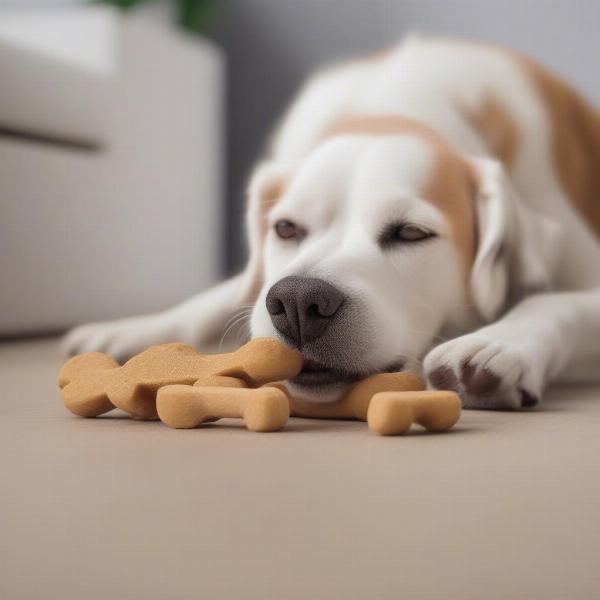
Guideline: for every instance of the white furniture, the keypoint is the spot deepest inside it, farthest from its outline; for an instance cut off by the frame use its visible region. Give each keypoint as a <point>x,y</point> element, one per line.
<point>110,155</point>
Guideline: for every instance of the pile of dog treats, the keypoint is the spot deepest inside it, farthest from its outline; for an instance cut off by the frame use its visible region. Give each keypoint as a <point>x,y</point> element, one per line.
<point>185,388</point>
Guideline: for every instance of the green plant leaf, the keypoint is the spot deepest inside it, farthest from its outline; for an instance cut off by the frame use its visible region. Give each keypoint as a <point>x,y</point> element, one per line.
<point>198,15</point>
<point>124,4</point>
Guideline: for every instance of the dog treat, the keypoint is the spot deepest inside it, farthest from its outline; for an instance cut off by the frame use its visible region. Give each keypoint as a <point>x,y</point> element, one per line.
<point>389,402</point>
<point>355,403</point>
<point>94,383</point>
<point>392,413</point>
<point>185,406</point>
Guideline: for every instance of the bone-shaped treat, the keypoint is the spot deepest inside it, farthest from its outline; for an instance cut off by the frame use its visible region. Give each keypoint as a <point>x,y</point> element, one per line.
<point>185,406</point>
<point>390,403</point>
<point>355,403</point>
<point>94,383</point>
<point>392,413</point>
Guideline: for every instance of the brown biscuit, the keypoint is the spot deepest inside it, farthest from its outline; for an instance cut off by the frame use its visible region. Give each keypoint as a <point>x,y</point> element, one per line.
<point>94,383</point>
<point>186,407</point>
<point>392,413</point>
<point>389,402</point>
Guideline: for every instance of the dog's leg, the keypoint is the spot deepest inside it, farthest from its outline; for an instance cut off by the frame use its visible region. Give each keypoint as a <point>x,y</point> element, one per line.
<point>507,364</point>
<point>198,321</point>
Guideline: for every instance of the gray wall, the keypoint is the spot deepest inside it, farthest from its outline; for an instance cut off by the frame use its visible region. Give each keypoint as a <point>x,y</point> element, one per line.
<point>272,44</point>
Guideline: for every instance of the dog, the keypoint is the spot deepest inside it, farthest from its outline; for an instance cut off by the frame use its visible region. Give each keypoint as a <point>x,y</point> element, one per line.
<point>435,207</point>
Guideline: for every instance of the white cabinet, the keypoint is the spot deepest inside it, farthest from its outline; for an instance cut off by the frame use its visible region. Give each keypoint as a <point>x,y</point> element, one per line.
<point>110,168</point>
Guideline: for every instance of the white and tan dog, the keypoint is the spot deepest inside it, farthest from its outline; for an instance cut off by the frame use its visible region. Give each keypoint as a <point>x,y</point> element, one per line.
<point>437,205</point>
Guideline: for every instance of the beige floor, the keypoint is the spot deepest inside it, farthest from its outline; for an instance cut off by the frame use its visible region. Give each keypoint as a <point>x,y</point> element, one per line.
<point>507,506</point>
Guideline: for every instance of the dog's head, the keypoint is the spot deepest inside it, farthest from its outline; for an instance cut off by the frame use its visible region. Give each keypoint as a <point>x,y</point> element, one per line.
<point>377,244</point>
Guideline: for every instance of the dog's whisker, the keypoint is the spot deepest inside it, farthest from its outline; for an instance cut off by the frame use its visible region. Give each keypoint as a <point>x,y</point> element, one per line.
<point>236,315</point>
<point>224,336</point>
<point>233,322</point>
<point>244,332</point>
<point>239,320</point>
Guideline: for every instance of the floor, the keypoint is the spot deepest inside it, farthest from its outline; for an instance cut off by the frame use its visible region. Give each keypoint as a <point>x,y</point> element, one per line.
<point>506,506</point>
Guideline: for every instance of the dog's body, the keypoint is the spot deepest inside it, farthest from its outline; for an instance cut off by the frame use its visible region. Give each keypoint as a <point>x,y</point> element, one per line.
<point>439,189</point>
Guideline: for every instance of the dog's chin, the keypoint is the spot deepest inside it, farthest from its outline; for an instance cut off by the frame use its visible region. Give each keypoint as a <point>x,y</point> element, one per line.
<point>319,383</point>
<point>321,394</point>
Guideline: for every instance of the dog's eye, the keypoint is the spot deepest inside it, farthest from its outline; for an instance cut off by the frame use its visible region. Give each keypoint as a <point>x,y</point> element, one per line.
<point>411,233</point>
<point>403,233</point>
<point>287,230</point>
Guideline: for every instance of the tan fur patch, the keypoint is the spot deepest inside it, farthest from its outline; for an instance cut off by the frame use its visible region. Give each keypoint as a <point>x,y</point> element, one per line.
<point>270,195</point>
<point>452,185</point>
<point>496,126</point>
<point>452,189</point>
<point>385,125</point>
<point>575,134</point>
<point>575,141</point>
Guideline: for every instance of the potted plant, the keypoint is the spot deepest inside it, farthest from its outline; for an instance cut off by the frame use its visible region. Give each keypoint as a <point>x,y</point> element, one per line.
<point>196,16</point>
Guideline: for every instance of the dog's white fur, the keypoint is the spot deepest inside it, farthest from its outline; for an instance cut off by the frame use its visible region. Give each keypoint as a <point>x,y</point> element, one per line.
<point>530,310</point>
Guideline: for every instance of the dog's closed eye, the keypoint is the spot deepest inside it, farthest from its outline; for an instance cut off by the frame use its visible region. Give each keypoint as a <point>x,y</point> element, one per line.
<point>403,233</point>
<point>288,230</point>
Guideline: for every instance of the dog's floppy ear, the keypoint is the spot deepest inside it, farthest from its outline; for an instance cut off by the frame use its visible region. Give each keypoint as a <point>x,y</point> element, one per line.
<point>267,185</point>
<point>517,247</point>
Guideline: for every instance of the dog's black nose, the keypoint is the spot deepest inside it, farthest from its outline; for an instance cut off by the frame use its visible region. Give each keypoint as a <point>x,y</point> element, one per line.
<point>302,308</point>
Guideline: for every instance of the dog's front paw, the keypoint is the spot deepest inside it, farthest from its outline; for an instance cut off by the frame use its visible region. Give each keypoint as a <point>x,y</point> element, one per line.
<point>121,339</point>
<point>487,374</point>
